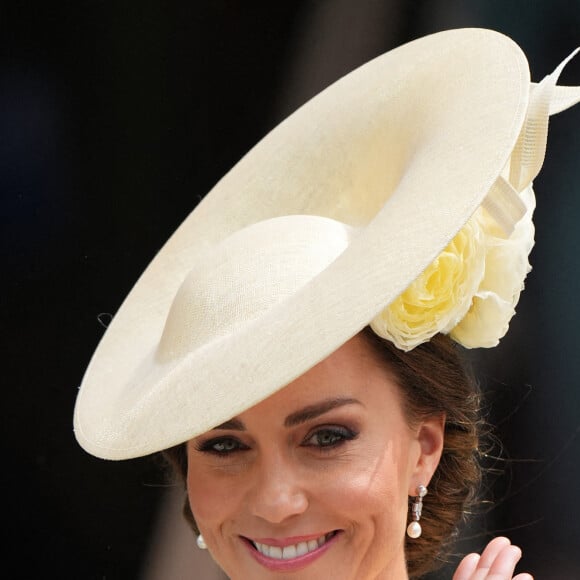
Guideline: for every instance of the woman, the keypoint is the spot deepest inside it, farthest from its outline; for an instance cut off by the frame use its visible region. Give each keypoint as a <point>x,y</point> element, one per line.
<point>341,451</point>
<point>288,344</point>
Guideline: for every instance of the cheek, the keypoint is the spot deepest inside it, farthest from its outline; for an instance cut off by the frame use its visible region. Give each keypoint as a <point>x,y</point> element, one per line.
<point>212,500</point>
<point>387,505</point>
<point>373,490</point>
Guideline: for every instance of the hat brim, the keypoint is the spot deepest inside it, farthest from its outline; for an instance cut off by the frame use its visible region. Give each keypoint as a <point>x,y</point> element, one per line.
<point>405,148</point>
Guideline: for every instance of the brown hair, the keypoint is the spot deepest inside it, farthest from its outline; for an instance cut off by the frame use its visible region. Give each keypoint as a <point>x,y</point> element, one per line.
<point>433,379</point>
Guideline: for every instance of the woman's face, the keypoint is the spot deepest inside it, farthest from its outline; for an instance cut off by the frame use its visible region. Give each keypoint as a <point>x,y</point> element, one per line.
<point>313,482</point>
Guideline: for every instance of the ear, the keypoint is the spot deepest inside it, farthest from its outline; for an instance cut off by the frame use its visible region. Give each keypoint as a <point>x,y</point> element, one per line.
<point>430,435</point>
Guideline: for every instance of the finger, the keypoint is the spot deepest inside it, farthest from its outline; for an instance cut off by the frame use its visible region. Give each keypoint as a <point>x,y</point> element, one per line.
<point>523,576</point>
<point>466,567</point>
<point>491,552</point>
<point>503,565</point>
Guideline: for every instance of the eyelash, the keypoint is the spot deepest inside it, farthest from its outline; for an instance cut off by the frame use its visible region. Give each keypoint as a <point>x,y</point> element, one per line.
<point>338,434</point>
<point>230,445</point>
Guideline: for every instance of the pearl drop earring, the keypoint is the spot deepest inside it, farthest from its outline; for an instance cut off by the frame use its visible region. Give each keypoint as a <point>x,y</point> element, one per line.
<point>414,528</point>
<point>201,543</point>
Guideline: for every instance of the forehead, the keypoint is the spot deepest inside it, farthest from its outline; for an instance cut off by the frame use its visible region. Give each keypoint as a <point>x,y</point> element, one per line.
<point>353,371</point>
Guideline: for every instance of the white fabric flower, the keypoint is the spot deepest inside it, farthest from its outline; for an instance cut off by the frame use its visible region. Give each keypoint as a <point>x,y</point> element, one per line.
<point>506,266</point>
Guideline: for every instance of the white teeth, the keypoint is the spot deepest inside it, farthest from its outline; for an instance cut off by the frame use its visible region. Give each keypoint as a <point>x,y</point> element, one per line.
<point>292,551</point>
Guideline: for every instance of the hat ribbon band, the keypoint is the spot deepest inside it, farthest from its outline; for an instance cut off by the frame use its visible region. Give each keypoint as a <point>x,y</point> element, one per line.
<point>505,205</point>
<point>545,99</point>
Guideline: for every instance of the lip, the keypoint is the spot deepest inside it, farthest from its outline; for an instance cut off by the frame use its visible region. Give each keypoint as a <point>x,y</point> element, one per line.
<point>291,564</point>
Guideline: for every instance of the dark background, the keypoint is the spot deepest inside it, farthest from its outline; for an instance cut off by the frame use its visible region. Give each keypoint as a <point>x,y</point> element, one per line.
<point>115,119</point>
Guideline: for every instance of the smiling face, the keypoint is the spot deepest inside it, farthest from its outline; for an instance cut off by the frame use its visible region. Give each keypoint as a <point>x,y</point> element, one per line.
<point>314,481</point>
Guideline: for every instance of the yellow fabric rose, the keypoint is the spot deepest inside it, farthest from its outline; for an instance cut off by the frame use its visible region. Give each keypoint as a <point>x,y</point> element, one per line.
<point>440,297</point>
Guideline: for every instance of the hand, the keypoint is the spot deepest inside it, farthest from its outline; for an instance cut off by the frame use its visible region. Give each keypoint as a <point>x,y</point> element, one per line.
<point>497,562</point>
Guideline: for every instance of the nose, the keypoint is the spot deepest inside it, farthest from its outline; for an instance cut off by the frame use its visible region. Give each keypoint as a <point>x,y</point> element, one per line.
<point>279,492</point>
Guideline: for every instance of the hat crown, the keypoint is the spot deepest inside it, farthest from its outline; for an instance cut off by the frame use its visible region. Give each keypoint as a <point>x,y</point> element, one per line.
<point>245,275</point>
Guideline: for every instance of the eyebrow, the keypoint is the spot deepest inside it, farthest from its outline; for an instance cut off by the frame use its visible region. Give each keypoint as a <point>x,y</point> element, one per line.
<point>232,424</point>
<point>313,411</point>
<point>306,414</point>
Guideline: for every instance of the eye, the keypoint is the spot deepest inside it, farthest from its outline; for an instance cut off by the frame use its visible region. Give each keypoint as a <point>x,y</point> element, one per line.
<point>222,446</point>
<point>329,437</point>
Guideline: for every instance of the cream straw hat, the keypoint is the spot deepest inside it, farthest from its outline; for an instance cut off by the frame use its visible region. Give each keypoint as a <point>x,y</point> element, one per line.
<point>319,230</point>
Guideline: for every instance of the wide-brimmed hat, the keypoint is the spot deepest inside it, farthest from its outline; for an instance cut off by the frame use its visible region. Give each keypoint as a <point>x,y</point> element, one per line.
<point>394,198</point>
